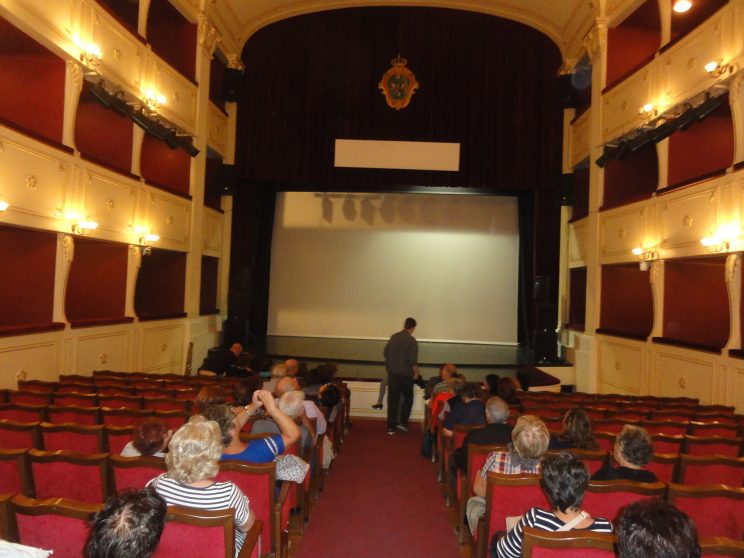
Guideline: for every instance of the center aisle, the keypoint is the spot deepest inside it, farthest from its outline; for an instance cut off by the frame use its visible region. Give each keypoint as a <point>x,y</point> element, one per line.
<point>381,499</point>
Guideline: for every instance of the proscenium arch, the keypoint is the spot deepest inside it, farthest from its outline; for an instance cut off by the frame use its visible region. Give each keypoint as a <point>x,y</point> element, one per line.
<point>513,12</point>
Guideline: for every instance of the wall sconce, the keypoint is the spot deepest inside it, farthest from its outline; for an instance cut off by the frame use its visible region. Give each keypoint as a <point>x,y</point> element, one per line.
<point>716,68</point>
<point>682,6</point>
<point>146,241</point>
<point>84,228</point>
<point>153,100</point>
<point>647,111</point>
<point>722,239</point>
<point>90,53</point>
<point>4,206</point>
<point>645,255</point>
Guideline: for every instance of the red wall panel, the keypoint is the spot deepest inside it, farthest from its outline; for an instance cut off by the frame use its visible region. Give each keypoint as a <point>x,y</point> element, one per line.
<point>164,166</point>
<point>626,302</point>
<point>161,284</point>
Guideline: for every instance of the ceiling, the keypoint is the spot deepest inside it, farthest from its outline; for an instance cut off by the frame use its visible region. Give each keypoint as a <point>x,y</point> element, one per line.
<point>564,21</point>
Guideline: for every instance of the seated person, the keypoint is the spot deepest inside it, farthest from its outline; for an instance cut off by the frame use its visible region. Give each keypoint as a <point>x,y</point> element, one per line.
<point>439,383</point>
<point>530,439</point>
<point>243,391</point>
<point>655,528</point>
<point>261,450</point>
<point>311,409</point>
<point>329,397</point>
<point>208,395</point>
<point>497,431</point>
<point>262,365</point>
<point>577,432</point>
<point>491,385</point>
<point>278,371</point>
<point>128,525</point>
<point>219,360</point>
<point>150,438</point>
<point>293,367</point>
<point>632,452</point>
<point>507,389</point>
<point>318,377</point>
<point>470,410</point>
<point>290,404</point>
<point>563,479</point>
<point>193,463</point>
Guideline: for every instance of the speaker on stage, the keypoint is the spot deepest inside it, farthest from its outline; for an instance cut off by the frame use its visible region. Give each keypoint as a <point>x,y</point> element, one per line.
<point>232,85</point>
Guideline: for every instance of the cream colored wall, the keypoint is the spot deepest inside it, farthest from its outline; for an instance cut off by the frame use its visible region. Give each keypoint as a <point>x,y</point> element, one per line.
<point>48,190</point>
<point>672,226</point>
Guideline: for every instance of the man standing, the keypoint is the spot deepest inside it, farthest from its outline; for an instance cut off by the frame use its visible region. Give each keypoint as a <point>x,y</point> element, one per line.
<point>401,363</point>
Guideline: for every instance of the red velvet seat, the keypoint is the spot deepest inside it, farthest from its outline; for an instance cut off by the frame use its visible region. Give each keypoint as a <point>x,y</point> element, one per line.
<point>607,498</point>
<point>75,399</point>
<point>477,456</point>
<point>206,534</point>
<point>134,472</point>
<point>721,547</point>
<point>28,397</point>
<point>84,438</point>
<point>606,440</point>
<point>76,388</point>
<point>695,445</point>
<point>539,543</point>
<point>459,432</point>
<point>705,469</point>
<point>593,459</point>
<point>673,414</point>
<point>507,496</point>
<point>665,443</point>
<point>173,420</point>
<point>668,427</point>
<point>56,524</point>
<point>716,509</point>
<point>124,417</point>
<point>37,385</point>
<point>665,466</point>
<point>19,435</point>
<point>166,404</point>
<point>15,472</point>
<point>120,401</point>
<point>75,379</point>
<point>117,437</point>
<point>155,392</point>
<point>714,428</point>
<point>79,415</point>
<point>257,481</point>
<point>612,425</point>
<point>68,474</point>
<point>20,412</point>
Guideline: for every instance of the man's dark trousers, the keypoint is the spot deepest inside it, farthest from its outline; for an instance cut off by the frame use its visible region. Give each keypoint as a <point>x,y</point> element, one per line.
<point>399,388</point>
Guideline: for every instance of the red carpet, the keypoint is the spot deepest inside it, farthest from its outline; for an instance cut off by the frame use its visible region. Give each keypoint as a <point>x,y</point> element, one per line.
<point>381,500</point>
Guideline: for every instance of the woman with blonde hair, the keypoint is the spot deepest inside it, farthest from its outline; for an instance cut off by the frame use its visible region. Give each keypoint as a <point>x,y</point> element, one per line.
<point>530,440</point>
<point>193,463</point>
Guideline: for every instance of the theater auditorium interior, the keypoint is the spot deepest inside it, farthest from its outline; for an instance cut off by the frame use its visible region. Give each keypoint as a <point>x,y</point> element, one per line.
<point>554,189</point>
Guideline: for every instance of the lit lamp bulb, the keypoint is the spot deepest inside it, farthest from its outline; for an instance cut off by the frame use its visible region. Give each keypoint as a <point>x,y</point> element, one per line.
<point>4,205</point>
<point>681,6</point>
<point>152,237</point>
<point>637,251</point>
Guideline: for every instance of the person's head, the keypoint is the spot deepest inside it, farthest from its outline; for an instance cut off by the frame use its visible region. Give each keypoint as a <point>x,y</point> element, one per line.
<point>492,384</point>
<point>447,370</point>
<point>278,371</point>
<point>410,324</point>
<point>468,392</point>
<point>505,389</point>
<point>577,427</point>
<point>291,403</point>
<point>496,410</point>
<point>293,366</point>
<point>564,479</point>
<point>151,437</point>
<point>633,447</point>
<point>261,363</point>
<point>128,525</point>
<point>208,395</point>
<point>243,391</point>
<point>322,374</point>
<point>658,529</point>
<point>456,383</point>
<point>530,437</point>
<point>236,349</point>
<point>225,419</point>
<point>286,384</point>
<point>194,451</point>
<point>329,395</point>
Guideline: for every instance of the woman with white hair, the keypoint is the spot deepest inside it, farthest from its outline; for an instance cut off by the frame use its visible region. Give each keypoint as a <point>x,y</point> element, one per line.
<point>193,463</point>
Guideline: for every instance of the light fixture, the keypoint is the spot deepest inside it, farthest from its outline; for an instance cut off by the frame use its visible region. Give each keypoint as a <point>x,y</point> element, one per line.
<point>154,100</point>
<point>4,205</point>
<point>84,228</point>
<point>146,241</point>
<point>645,256</point>
<point>647,110</point>
<point>722,239</point>
<point>682,6</point>
<point>90,53</point>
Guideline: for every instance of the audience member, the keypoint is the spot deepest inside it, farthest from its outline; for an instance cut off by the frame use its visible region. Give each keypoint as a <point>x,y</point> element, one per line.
<point>208,395</point>
<point>150,438</point>
<point>261,450</point>
<point>219,360</point>
<point>128,525</point>
<point>193,463</point>
<point>577,432</point>
<point>656,529</point>
<point>470,410</point>
<point>446,372</point>
<point>491,385</point>
<point>311,409</point>
<point>262,365</point>
<point>564,479</point>
<point>507,389</point>
<point>524,454</point>
<point>278,371</point>
<point>497,431</point>
<point>243,391</point>
<point>291,404</point>
<point>293,367</point>
<point>632,452</point>
<point>318,377</point>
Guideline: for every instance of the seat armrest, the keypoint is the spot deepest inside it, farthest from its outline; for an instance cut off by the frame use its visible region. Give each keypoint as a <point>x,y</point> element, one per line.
<point>252,539</point>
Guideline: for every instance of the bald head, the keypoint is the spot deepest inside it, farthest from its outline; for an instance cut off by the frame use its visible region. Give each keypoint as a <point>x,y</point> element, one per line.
<point>236,349</point>
<point>293,366</point>
<point>286,385</point>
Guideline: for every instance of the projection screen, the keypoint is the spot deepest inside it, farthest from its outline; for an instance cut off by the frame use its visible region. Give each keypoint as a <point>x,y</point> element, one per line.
<point>356,265</point>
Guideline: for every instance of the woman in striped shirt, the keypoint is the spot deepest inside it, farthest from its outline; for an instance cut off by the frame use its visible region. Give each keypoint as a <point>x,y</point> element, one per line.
<point>564,479</point>
<point>193,463</point>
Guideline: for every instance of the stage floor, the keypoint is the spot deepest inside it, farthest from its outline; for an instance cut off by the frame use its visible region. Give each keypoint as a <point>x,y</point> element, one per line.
<point>369,351</point>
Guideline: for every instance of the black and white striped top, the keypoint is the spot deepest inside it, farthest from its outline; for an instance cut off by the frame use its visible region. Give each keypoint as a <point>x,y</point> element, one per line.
<point>510,546</point>
<point>217,496</point>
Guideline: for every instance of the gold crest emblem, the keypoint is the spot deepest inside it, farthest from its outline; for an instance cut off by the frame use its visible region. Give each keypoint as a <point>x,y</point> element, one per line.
<point>398,84</point>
